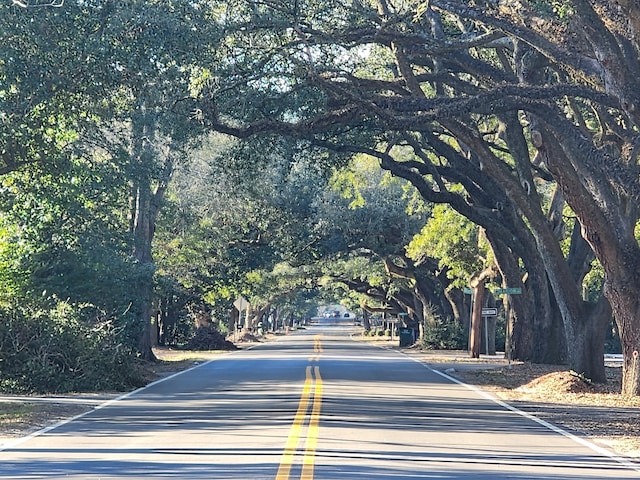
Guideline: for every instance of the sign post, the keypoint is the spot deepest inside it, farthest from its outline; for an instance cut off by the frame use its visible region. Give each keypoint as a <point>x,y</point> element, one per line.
<point>468,291</point>
<point>486,313</point>
<point>242,304</point>
<point>508,291</point>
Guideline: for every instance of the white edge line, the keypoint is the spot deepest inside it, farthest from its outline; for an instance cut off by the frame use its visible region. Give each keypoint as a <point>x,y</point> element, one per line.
<point>554,428</point>
<point>12,444</point>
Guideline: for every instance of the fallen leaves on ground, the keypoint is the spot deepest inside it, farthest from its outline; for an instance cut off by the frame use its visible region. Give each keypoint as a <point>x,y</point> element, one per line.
<point>558,396</point>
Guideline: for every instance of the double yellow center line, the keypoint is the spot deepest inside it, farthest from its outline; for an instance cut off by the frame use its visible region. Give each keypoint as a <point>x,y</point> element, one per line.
<point>311,395</point>
<point>317,348</point>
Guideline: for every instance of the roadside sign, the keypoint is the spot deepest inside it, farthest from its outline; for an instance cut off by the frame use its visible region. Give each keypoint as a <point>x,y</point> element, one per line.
<point>508,291</point>
<point>467,291</point>
<point>241,304</point>
<point>489,312</point>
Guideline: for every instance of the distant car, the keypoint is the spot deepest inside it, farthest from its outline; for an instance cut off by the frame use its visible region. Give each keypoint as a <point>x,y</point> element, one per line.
<point>347,315</point>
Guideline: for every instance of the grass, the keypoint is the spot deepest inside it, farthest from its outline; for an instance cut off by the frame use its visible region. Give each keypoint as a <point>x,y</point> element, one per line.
<point>10,412</point>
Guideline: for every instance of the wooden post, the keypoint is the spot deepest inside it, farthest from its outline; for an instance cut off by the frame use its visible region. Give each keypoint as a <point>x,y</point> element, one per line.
<point>476,320</point>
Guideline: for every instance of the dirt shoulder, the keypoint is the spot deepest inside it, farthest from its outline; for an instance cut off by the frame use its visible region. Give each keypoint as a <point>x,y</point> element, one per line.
<point>550,392</point>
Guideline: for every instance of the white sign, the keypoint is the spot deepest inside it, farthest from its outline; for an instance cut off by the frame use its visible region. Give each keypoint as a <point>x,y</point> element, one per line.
<point>489,312</point>
<point>241,304</point>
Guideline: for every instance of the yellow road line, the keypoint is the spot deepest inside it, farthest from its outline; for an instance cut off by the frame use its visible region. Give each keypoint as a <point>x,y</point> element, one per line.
<point>296,429</point>
<point>317,348</point>
<point>308,462</point>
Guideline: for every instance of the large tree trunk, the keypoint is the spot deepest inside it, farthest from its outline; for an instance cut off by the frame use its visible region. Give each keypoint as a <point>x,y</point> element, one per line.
<point>234,319</point>
<point>475,334</point>
<point>455,297</point>
<point>538,329</point>
<point>141,224</point>
<point>584,324</point>
<point>366,324</point>
<point>600,182</point>
<point>477,284</point>
<point>145,269</point>
<point>146,205</point>
<point>256,317</point>
<point>622,285</point>
<point>586,347</point>
<point>534,327</point>
<point>566,291</point>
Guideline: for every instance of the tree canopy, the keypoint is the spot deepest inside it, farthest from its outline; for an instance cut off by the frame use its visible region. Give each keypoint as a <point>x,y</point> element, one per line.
<point>508,132</point>
<point>500,99</point>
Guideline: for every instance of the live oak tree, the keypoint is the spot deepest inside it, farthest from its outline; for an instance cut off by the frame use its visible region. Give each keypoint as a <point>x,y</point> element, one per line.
<point>271,228</point>
<point>586,139</point>
<point>503,95</point>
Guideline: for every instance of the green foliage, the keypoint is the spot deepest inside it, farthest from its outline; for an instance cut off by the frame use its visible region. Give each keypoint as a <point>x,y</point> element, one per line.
<point>444,335</point>
<point>61,232</point>
<point>420,10</point>
<point>233,226</point>
<point>13,274</point>
<point>593,282</point>
<point>73,80</point>
<point>453,240</point>
<point>63,349</point>
<point>177,307</point>
<point>560,9</point>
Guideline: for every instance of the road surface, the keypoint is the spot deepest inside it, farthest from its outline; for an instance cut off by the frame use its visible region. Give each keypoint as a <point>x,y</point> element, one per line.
<point>312,405</point>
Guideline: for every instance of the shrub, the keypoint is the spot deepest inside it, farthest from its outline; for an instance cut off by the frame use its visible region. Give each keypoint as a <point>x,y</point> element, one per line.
<point>57,351</point>
<point>444,335</point>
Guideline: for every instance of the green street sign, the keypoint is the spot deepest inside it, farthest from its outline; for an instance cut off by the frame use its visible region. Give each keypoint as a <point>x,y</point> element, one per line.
<point>508,291</point>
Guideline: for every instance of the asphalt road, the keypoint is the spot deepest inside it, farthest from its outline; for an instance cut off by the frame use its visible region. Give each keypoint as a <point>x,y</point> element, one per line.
<point>312,405</point>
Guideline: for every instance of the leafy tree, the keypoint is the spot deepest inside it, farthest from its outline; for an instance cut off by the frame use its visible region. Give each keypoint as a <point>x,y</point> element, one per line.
<point>482,103</point>
<point>123,81</point>
<point>62,234</point>
<point>450,238</point>
<point>231,229</point>
<point>453,246</point>
<point>484,107</point>
<point>369,218</point>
